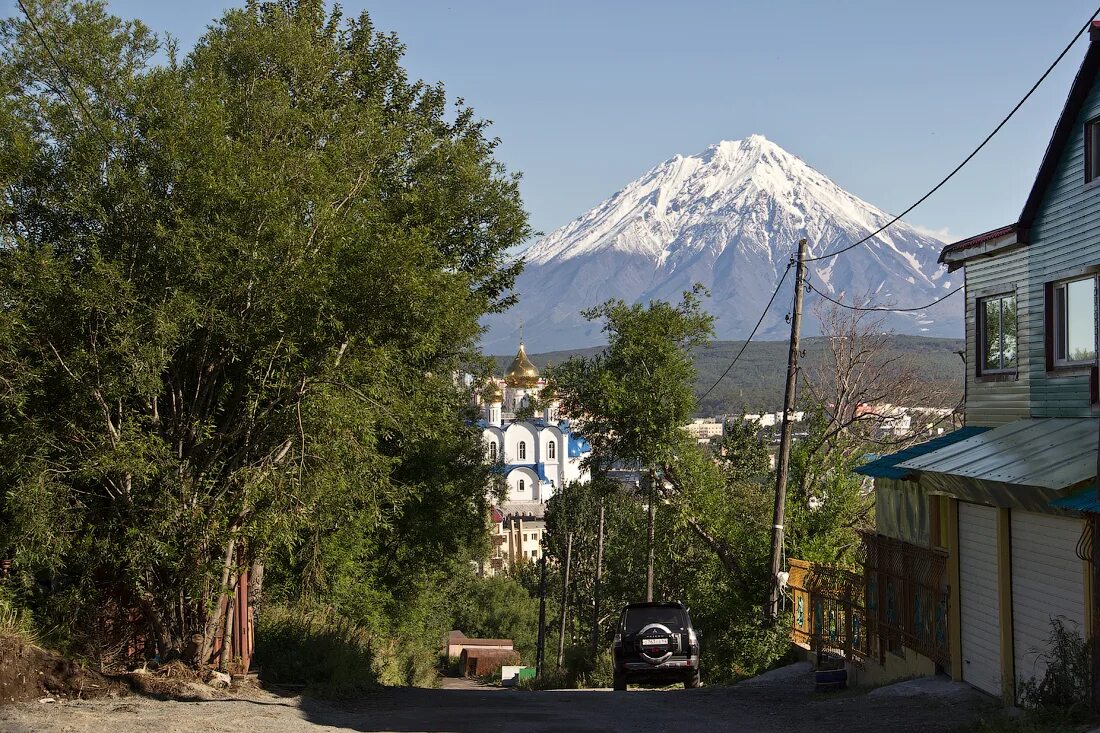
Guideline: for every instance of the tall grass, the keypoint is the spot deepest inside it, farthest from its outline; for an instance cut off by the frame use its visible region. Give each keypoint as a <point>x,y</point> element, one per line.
<point>314,647</point>
<point>14,620</point>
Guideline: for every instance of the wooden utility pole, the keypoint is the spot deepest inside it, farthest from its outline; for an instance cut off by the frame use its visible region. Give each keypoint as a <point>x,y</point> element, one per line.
<point>596,589</point>
<point>541,645</point>
<point>565,599</point>
<point>771,610</point>
<point>650,534</point>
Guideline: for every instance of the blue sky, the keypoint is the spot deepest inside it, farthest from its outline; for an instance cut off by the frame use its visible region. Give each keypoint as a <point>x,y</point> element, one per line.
<point>883,97</point>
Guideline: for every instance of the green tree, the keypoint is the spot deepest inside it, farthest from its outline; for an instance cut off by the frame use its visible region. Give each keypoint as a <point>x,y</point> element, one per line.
<point>631,400</point>
<point>235,289</point>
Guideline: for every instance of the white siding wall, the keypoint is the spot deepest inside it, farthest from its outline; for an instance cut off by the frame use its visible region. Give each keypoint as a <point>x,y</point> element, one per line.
<point>978,597</point>
<point>1047,582</point>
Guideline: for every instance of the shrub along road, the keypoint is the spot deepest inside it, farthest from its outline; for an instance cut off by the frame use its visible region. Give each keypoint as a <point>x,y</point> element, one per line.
<point>779,705</point>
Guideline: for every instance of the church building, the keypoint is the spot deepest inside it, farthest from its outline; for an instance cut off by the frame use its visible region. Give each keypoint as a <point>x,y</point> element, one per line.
<point>537,453</point>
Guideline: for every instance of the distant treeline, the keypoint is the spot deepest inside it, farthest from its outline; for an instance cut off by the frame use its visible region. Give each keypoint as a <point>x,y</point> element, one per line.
<point>756,382</point>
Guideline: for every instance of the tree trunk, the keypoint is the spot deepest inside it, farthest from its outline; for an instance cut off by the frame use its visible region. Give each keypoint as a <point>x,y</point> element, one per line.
<point>256,584</point>
<point>225,659</point>
<point>214,621</point>
<point>152,616</point>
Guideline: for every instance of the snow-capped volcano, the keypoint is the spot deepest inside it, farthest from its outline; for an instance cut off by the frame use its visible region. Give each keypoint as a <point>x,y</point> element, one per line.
<point>730,218</point>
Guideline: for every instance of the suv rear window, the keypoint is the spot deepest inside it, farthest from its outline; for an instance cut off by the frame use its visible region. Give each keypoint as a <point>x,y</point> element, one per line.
<point>638,618</point>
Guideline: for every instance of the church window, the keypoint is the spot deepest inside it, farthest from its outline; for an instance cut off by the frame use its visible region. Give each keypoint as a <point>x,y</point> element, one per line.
<point>521,484</point>
<point>493,451</point>
<point>523,450</point>
<point>551,449</point>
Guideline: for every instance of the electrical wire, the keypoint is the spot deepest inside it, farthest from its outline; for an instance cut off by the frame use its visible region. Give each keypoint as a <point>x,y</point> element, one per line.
<point>753,333</point>
<point>882,309</point>
<point>61,71</point>
<point>968,158</point>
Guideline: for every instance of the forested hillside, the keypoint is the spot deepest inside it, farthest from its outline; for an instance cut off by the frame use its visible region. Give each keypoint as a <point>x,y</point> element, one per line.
<point>755,383</point>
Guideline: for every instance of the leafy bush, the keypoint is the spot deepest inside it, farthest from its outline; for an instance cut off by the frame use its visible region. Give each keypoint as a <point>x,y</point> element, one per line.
<point>14,619</point>
<point>603,671</point>
<point>499,607</point>
<point>315,647</point>
<point>1066,684</point>
<point>550,679</point>
<point>746,649</point>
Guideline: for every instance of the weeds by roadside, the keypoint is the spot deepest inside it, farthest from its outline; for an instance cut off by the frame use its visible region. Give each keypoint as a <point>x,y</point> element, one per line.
<point>317,648</point>
<point>15,621</point>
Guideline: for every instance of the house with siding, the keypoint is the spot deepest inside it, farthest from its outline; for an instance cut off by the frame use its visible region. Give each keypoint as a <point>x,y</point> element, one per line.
<point>1008,503</point>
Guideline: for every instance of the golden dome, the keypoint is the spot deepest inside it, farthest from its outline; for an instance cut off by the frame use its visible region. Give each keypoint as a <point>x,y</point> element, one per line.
<point>492,393</point>
<point>522,373</point>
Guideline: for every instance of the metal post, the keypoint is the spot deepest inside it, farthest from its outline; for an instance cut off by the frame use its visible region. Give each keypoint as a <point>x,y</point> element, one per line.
<point>1094,525</point>
<point>771,610</point>
<point>565,599</point>
<point>596,589</point>
<point>541,645</point>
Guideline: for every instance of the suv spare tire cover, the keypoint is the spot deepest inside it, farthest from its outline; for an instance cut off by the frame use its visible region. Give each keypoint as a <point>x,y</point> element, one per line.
<point>655,654</point>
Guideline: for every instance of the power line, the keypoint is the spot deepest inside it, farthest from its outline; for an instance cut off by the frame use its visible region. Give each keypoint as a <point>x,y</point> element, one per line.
<point>61,71</point>
<point>754,330</point>
<point>883,309</point>
<point>968,158</point>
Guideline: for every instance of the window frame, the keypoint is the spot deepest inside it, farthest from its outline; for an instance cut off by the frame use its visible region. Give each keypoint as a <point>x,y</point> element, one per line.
<point>521,450</point>
<point>492,451</point>
<point>980,319</point>
<point>1057,323</point>
<point>1092,177</point>
<point>552,450</point>
<point>521,485</point>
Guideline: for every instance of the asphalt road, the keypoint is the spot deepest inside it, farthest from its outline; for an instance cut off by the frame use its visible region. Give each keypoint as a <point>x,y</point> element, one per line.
<point>784,705</point>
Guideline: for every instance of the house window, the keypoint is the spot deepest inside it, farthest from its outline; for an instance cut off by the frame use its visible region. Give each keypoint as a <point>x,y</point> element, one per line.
<point>523,450</point>
<point>493,452</point>
<point>521,485</point>
<point>551,449</point>
<point>1092,150</point>
<point>997,316</point>
<point>1074,322</point>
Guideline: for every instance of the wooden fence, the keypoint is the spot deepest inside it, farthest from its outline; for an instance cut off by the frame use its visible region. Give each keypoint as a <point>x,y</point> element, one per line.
<point>827,609</point>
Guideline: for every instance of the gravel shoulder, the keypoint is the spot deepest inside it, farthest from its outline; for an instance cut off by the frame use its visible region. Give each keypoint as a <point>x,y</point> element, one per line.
<point>778,705</point>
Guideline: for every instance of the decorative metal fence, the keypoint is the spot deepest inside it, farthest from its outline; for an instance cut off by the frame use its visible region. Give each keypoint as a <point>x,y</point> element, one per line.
<point>907,597</point>
<point>898,599</point>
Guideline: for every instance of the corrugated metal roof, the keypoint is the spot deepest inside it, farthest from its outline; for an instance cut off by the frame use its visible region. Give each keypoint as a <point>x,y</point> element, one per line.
<point>887,466</point>
<point>1084,500</point>
<point>1049,452</point>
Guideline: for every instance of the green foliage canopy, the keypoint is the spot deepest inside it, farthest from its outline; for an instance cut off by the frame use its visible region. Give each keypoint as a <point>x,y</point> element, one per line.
<point>234,290</point>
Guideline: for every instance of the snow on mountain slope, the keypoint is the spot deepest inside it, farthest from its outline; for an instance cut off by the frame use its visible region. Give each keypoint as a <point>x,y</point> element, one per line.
<point>730,218</point>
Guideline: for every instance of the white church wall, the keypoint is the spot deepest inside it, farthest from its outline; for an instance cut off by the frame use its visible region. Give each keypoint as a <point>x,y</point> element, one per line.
<point>523,485</point>
<point>517,433</point>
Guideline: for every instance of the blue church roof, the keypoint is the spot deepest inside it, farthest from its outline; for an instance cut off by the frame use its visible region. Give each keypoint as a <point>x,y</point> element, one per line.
<point>538,468</point>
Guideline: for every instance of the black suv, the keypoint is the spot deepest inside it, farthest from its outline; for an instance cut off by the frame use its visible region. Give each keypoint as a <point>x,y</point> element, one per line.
<point>655,642</point>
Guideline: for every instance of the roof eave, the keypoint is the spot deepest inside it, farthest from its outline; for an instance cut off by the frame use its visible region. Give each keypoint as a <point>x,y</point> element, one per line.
<point>1078,93</point>
<point>958,254</point>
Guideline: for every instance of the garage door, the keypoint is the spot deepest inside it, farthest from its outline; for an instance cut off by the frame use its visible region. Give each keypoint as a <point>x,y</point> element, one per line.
<point>1047,582</point>
<point>978,597</point>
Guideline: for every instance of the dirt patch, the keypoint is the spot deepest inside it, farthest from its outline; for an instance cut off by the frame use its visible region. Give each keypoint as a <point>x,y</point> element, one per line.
<point>30,673</point>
